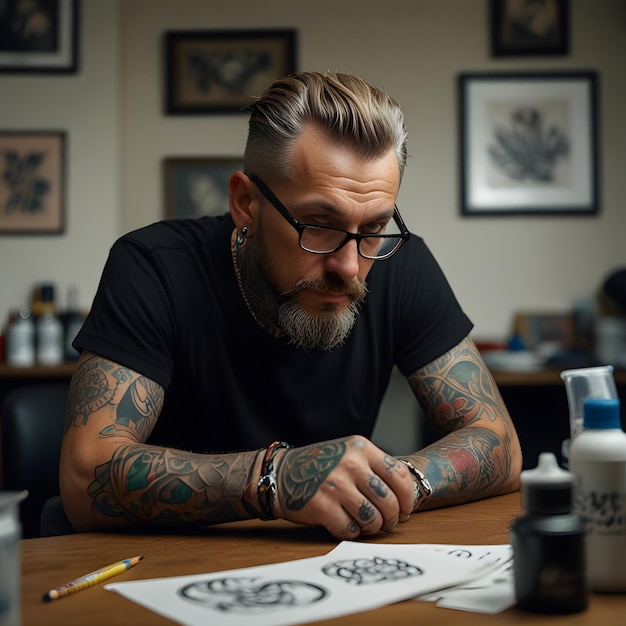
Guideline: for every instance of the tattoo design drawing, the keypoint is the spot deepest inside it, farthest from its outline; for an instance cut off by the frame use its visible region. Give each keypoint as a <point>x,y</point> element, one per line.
<point>253,595</point>
<point>371,571</point>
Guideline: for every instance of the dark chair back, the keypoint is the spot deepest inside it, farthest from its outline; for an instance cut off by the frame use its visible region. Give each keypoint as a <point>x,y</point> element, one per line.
<point>32,422</point>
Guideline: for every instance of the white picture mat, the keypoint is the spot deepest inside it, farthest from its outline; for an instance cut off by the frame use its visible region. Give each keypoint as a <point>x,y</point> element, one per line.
<point>577,189</point>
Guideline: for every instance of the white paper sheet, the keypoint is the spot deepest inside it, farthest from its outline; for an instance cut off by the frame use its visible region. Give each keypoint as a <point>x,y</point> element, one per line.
<point>492,593</point>
<point>353,577</point>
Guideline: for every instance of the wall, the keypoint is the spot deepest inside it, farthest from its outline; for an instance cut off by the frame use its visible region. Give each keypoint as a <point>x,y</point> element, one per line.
<point>414,48</point>
<point>86,106</point>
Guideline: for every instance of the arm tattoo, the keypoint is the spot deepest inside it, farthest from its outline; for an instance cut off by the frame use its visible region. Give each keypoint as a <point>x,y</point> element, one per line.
<point>150,484</point>
<point>456,391</point>
<point>144,483</point>
<point>306,469</point>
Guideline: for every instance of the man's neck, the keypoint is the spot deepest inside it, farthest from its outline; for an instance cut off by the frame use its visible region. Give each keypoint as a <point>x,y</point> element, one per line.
<point>254,288</point>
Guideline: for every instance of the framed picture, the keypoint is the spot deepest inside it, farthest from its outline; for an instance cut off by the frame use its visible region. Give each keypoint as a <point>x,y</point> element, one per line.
<point>39,36</point>
<point>536,329</point>
<point>529,27</point>
<point>196,186</point>
<point>528,143</point>
<point>32,184</point>
<point>221,71</point>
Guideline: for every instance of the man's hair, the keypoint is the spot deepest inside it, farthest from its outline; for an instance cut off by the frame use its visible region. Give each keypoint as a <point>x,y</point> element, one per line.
<point>352,111</point>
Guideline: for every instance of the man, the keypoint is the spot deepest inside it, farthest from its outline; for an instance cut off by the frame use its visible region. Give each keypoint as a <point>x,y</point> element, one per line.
<point>211,338</point>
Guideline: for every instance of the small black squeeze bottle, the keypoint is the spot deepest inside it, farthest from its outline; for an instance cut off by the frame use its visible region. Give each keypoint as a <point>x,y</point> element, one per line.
<point>548,541</point>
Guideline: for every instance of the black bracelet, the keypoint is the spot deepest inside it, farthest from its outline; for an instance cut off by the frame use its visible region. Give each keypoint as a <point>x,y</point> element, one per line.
<point>420,482</point>
<point>267,488</point>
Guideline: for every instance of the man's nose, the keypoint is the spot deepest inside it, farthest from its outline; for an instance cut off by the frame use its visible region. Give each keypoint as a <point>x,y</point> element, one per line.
<point>344,262</point>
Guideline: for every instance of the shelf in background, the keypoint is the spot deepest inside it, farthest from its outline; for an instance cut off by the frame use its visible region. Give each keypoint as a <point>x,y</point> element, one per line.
<point>65,370</point>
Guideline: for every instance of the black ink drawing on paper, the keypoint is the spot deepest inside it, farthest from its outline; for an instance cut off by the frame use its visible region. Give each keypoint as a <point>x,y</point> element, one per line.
<point>529,149</point>
<point>368,571</point>
<point>253,595</point>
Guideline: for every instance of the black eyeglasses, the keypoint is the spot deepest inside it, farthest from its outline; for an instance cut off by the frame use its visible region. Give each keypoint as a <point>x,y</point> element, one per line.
<point>328,239</point>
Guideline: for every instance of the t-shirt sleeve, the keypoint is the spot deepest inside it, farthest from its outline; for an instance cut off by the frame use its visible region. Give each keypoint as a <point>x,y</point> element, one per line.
<point>429,318</point>
<point>131,318</point>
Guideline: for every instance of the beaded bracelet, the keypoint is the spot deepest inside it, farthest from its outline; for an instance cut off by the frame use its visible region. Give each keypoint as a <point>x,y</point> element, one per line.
<point>420,483</point>
<point>267,489</point>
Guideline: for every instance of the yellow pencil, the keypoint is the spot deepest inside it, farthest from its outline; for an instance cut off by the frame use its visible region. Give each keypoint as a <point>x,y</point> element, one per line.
<point>92,578</point>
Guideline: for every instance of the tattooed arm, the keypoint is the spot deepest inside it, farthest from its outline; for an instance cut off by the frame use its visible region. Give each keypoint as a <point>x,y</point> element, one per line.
<point>111,477</point>
<point>479,454</point>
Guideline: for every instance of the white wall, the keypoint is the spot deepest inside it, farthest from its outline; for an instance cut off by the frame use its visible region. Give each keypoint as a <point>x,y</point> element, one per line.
<point>86,106</point>
<point>414,48</point>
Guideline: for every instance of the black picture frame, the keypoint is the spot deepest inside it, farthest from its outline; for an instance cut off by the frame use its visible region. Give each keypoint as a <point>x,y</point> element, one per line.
<point>32,182</point>
<point>529,143</point>
<point>54,49</point>
<point>197,186</point>
<point>221,71</point>
<point>529,28</point>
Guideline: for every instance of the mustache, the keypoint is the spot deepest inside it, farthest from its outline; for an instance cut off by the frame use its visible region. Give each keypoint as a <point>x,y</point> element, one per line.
<point>329,283</point>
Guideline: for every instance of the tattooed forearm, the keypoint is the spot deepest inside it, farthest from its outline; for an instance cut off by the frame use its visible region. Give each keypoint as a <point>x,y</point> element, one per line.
<point>148,484</point>
<point>304,470</point>
<point>478,454</point>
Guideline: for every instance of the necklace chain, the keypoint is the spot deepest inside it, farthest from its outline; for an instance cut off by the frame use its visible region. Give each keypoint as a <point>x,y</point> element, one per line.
<point>234,254</point>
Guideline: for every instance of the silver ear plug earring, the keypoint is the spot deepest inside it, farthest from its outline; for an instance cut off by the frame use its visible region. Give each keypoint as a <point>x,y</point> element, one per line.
<point>240,237</point>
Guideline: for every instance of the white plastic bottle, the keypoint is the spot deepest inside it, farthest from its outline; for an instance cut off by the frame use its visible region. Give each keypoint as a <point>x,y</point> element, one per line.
<point>21,341</point>
<point>49,340</point>
<point>598,460</point>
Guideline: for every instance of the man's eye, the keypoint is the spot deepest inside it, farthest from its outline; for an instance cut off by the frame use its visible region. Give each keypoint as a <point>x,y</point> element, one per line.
<point>319,220</point>
<point>373,229</point>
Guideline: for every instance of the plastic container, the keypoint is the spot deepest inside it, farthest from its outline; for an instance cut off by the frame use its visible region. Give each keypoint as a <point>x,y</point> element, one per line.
<point>20,341</point>
<point>548,543</point>
<point>598,460</point>
<point>10,558</point>
<point>580,384</point>
<point>50,340</point>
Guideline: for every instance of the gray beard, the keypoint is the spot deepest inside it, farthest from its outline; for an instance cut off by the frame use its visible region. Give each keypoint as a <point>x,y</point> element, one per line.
<point>323,331</point>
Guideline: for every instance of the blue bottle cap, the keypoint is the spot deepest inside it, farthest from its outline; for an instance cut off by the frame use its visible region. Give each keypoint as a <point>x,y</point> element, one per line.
<point>601,413</point>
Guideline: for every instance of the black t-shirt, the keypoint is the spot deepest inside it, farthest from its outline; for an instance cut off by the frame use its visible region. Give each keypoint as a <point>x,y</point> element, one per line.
<point>168,306</point>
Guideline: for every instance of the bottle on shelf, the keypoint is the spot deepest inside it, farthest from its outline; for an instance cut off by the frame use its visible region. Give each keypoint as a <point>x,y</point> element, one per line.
<point>72,323</point>
<point>598,460</point>
<point>48,328</point>
<point>49,331</point>
<point>20,340</point>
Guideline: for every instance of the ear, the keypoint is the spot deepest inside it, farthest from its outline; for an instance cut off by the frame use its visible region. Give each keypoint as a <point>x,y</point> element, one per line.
<point>243,206</point>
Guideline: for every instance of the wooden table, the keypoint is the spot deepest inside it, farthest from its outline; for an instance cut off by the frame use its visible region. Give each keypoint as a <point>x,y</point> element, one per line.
<point>52,561</point>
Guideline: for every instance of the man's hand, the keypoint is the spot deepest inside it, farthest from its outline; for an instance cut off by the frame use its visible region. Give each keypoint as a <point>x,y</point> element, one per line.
<point>347,485</point>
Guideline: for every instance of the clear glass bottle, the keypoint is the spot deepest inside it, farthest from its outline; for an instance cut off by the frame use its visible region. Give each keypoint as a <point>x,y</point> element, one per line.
<point>598,460</point>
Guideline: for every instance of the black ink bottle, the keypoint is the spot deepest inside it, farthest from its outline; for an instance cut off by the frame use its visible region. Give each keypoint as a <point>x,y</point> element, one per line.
<point>548,541</point>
